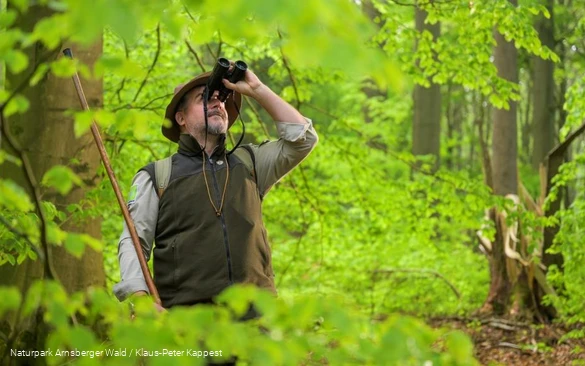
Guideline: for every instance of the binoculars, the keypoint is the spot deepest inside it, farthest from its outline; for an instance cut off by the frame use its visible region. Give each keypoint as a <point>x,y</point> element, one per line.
<point>221,70</point>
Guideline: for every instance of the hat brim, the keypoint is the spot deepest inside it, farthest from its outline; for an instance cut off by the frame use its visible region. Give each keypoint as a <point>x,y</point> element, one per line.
<point>170,129</point>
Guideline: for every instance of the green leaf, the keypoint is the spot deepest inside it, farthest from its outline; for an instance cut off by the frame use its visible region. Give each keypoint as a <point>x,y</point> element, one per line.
<point>174,22</point>
<point>21,257</point>
<point>7,18</point>
<point>19,104</point>
<point>75,243</point>
<point>10,299</point>
<point>55,235</point>
<point>14,197</point>
<point>50,30</point>
<point>123,20</point>
<point>21,5</point>
<point>83,121</point>
<point>61,178</point>
<point>238,298</point>
<point>461,347</point>
<point>3,95</point>
<point>64,67</point>
<point>16,61</point>
<point>81,338</point>
<point>33,297</point>
<point>39,74</point>
<point>10,258</point>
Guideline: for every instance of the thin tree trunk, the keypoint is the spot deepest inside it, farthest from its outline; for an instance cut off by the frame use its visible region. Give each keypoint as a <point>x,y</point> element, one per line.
<point>369,88</point>
<point>504,170</point>
<point>527,127</point>
<point>450,128</point>
<point>458,120</point>
<point>543,93</point>
<point>426,135</point>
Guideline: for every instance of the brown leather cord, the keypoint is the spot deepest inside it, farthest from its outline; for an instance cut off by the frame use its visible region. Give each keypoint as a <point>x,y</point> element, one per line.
<point>217,211</point>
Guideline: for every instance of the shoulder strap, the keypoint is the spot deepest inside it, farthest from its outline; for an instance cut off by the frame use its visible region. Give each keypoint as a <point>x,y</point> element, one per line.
<point>248,159</point>
<point>162,173</point>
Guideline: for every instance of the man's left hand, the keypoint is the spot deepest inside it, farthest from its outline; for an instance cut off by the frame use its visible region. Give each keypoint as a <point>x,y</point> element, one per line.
<point>250,85</point>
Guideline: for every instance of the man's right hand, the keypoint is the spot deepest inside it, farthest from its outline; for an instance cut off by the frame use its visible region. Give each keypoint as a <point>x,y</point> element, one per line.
<point>158,307</point>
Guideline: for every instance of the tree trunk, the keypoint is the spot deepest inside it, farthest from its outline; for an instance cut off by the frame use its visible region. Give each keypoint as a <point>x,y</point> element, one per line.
<point>47,137</point>
<point>455,114</point>
<point>526,135</point>
<point>504,174</point>
<point>426,126</point>
<point>369,88</point>
<point>543,105</point>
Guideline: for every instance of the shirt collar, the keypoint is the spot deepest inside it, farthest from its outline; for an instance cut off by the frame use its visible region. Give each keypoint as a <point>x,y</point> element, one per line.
<point>189,146</point>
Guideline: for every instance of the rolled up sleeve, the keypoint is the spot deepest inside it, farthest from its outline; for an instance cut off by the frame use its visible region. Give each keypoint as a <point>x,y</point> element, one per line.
<point>143,209</point>
<point>274,159</point>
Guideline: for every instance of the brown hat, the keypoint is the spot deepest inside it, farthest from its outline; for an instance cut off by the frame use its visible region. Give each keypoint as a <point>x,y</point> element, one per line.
<point>173,131</point>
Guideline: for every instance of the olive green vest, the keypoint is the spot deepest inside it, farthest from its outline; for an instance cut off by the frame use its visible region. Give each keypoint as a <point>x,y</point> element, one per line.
<point>198,254</point>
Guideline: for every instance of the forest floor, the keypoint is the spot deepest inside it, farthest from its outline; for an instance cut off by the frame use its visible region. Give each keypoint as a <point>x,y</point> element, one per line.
<point>504,342</point>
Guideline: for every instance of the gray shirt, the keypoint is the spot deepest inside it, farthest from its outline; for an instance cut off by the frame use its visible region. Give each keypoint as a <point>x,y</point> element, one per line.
<point>271,159</point>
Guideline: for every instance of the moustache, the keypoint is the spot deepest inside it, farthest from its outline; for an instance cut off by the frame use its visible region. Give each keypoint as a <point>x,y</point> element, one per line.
<point>216,112</point>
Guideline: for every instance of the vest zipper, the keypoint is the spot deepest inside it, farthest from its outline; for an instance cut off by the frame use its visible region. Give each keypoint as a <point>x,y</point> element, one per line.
<point>224,228</point>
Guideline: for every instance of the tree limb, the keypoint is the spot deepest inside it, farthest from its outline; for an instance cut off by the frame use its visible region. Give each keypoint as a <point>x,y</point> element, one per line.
<point>194,53</point>
<point>290,74</point>
<point>257,114</point>
<point>154,61</point>
<point>117,93</point>
<point>420,271</point>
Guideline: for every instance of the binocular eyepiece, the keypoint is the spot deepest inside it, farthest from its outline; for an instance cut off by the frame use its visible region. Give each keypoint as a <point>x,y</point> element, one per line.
<point>221,70</point>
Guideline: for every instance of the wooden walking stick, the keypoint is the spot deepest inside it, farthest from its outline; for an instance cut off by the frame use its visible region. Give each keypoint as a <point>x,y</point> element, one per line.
<point>106,161</point>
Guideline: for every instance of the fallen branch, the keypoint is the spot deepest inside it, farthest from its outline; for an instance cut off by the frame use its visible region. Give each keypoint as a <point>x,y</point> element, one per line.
<point>510,345</point>
<point>499,325</point>
<point>420,271</point>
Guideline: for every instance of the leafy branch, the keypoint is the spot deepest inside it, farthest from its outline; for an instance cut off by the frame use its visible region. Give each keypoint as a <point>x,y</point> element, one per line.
<point>27,168</point>
<point>194,53</point>
<point>21,235</point>
<point>154,61</point>
<point>290,74</point>
<point>34,188</point>
<point>123,82</point>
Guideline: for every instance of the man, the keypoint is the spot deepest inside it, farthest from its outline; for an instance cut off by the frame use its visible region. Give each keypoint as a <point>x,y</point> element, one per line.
<point>207,223</point>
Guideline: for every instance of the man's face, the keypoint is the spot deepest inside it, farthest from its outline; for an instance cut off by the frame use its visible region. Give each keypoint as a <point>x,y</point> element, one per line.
<point>192,120</point>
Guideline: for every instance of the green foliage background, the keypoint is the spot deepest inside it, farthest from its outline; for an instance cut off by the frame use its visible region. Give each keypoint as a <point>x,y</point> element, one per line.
<point>355,234</point>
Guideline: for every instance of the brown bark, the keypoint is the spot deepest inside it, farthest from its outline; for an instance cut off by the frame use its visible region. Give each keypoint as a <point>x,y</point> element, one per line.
<point>526,133</point>
<point>455,120</point>
<point>553,164</point>
<point>504,173</point>
<point>426,126</point>
<point>482,134</point>
<point>47,137</point>
<point>369,88</point>
<point>543,93</point>
<point>498,299</point>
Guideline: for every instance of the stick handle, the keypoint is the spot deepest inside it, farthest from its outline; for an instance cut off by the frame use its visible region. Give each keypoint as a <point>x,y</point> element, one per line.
<point>106,161</point>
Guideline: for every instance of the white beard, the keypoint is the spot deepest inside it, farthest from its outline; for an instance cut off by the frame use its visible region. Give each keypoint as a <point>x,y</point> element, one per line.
<point>216,128</point>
